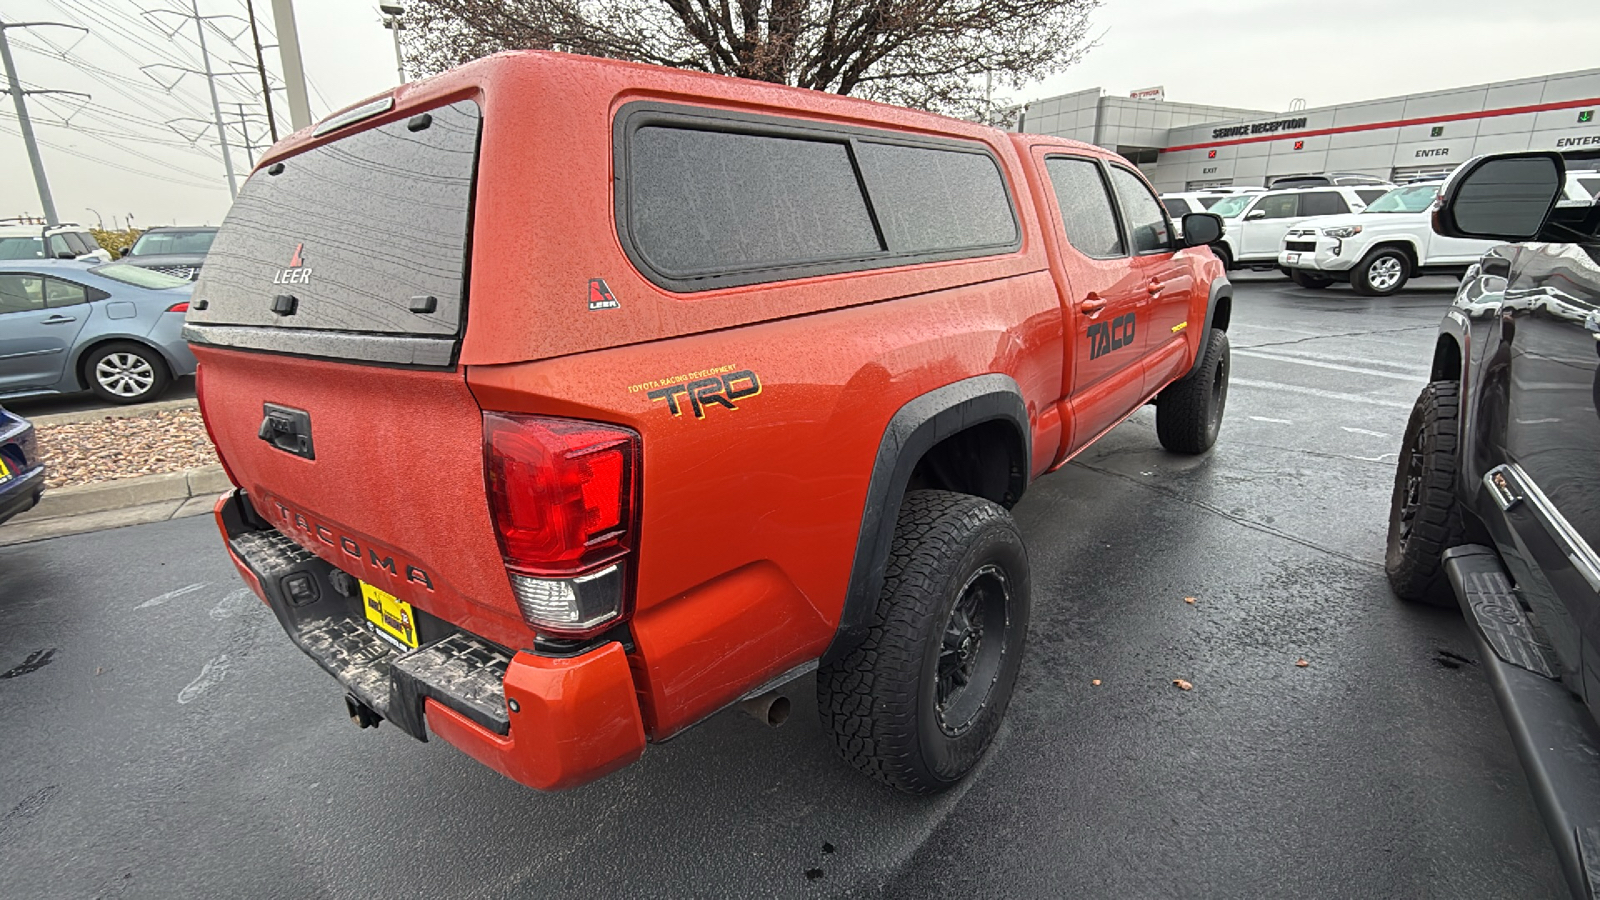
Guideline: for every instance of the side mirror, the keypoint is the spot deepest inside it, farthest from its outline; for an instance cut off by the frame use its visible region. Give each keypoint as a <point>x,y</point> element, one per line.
<point>66,254</point>
<point>122,252</point>
<point>1255,214</point>
<point>1504,196</point>
<point>1200,229</point>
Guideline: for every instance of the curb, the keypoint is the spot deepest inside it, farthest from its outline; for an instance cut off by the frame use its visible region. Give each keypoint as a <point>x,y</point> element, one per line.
<point>116,412</point>
<point>111,504</point>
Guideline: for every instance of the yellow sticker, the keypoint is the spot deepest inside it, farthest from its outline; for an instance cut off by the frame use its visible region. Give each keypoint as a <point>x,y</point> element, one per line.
<point>1179,327</point>
<point>392,615</point>
<point>5,470</point>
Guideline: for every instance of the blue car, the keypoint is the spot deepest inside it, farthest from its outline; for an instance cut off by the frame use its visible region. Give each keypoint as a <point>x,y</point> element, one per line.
<point>21,472</point>
<point>69,326</point>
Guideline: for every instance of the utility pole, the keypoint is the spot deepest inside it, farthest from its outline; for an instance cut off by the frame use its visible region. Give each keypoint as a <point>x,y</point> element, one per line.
<point>294,73</point>
<point>244,126</point>
<point>392,13</point>
<point>261,66</point>
<point>14,88</point>
<point>216,108</point>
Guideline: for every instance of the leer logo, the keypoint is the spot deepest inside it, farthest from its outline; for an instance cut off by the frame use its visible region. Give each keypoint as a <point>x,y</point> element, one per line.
<point>298,272</point>
<point>600,296</point>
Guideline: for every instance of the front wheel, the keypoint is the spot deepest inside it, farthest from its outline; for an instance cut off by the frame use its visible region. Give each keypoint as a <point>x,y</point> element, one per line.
<point>917,703</point>
<point>1223,255</point>
<point>1424,514</point>
<point>1381,273</point>
<point>1189,411</point>
<point>126,372</point>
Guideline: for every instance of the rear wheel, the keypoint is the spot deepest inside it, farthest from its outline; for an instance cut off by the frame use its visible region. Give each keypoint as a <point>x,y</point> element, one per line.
<point>918,702</point>
<point>1381,273</point>
<point>1189,411</point>
<point>1307,280</point>
<point>126,372</point>
<point>1424,514</point>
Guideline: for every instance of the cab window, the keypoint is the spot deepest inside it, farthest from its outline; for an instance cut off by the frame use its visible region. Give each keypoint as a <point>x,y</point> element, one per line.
<point>1147,224</point>
<point>1322,203</point>
<point>58,245</point>
<point>1176,206</point>
<point>1086,212</point>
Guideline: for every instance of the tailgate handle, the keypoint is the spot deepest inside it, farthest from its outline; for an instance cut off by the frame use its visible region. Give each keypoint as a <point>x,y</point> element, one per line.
<point>288,429</point>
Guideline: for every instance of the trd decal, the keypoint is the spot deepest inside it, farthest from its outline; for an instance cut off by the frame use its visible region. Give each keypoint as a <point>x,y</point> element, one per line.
<point>600,296</point>
<point>1105,337</point>
<point>723,390</point>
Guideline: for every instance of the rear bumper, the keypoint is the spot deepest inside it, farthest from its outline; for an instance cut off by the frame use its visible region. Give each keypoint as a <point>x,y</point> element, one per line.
<point>21,493</point>
<point>547,722</point>
<point>1555,736</point>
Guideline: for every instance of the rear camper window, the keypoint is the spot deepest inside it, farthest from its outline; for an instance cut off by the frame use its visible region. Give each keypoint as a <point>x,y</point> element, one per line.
<point>366,235</point>
<point>713,202</point>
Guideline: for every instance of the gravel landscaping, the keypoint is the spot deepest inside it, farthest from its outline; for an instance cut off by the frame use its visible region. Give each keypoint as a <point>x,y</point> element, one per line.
<point>106,449</point>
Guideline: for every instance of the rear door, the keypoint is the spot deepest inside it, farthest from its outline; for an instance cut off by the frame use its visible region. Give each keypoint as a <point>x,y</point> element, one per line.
<point>1103,294</point>
<point>1263,229</point>
<point>40,319</point>
<point>332,303</point>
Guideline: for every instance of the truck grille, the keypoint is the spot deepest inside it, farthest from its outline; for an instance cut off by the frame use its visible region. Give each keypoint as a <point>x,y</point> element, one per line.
<point>1302,246</point>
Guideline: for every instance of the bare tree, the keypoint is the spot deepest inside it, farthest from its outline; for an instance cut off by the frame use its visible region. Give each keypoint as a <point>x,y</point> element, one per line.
<point>931,54</point>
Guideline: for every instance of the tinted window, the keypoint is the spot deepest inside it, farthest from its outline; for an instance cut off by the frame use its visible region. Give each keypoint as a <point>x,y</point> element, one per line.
<point>1086,212</point>
<point>1209,202</point>
<point>75,241</point>
<point>58,245</point>
<point>931,200</point>
<point>63,293</point>
<point>1368,195</point>
<point>19,293</point>
<point>1175,207</point>
<point>1147,226</point>
<point>159,242</point>
<point>1592,185</point>
<point>704,201</point>
<point>1282,206</point>
<point>1322,203</point>
<point>21,248</point>
<point>358,226</point>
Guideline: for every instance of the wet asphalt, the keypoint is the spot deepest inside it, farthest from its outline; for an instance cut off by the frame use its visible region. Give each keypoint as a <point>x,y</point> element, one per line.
<point>160,737</point>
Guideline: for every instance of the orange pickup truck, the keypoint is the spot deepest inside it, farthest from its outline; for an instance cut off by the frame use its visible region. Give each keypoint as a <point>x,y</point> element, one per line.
<point>571,401</point>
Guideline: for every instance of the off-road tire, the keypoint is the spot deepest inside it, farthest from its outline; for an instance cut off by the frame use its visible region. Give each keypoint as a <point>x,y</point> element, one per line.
<point>126,372</point>
<point>1308,280</point>
<point>1222,254</point>
<point>1369,277</point>
<point>1189,411</point>
<point>880,701</point>
<point>1429,452</point>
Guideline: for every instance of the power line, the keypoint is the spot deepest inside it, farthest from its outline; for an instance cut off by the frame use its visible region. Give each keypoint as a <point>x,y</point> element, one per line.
<point>113,165</point>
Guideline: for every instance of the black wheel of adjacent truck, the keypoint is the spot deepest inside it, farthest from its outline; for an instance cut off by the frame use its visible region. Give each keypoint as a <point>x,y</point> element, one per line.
<point>1307,280</point>
<point>918,702</point>
<point>1189,412</point>
<point>1381,273</point>
<point>1424,514</point>
<point>126,372</point>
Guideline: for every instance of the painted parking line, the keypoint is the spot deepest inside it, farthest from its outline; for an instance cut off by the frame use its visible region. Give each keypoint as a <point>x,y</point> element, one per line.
<point>1319,364</point>
<point>1318,392</point>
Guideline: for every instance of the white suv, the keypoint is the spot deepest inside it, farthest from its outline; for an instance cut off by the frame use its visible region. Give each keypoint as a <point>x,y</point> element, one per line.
<point>1254,225</point>
<point>64,241</point>
<point>1379,249</point>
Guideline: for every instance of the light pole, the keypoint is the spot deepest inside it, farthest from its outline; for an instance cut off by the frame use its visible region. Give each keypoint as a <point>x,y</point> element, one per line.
<point>14,88</point>
<point>98,222</point>
<point>392,14</point>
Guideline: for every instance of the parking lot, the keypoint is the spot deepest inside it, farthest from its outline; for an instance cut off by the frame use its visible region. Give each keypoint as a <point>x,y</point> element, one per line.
<point>165,739</point>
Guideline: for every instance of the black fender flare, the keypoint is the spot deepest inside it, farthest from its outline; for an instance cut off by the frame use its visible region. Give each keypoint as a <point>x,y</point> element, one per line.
<point>1220,287</point>
<point>914,429</point>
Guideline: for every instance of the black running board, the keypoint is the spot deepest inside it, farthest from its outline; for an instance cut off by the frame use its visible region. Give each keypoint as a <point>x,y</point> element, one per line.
<point>1556,738</point>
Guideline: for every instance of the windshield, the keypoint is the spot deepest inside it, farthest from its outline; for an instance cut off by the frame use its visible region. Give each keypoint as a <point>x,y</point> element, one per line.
<point>139,276</point>
<point>22,248</point>
<point>1231,207</point>
<point>157,243</point>
<point>1414,198</point>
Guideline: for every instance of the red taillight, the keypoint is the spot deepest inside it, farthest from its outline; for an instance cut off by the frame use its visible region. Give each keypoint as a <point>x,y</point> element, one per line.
<point>179,307</point>
<point>563,492</point>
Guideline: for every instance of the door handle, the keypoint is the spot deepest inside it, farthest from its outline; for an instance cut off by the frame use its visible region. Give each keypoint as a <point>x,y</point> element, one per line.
<point>58,320</point>
<point>1092,304</point>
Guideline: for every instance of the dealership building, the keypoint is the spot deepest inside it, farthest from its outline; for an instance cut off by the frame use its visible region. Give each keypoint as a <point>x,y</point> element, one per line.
<point>1184,146</point>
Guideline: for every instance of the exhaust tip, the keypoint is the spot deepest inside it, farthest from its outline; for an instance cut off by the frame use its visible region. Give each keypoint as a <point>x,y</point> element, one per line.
<point>771,708</point>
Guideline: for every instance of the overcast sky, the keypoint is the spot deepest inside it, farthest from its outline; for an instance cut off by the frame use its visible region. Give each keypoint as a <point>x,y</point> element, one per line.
<point>117,155</point>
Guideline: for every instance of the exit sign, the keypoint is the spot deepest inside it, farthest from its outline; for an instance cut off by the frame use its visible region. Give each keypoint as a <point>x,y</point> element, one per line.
<point>1586,116</point>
